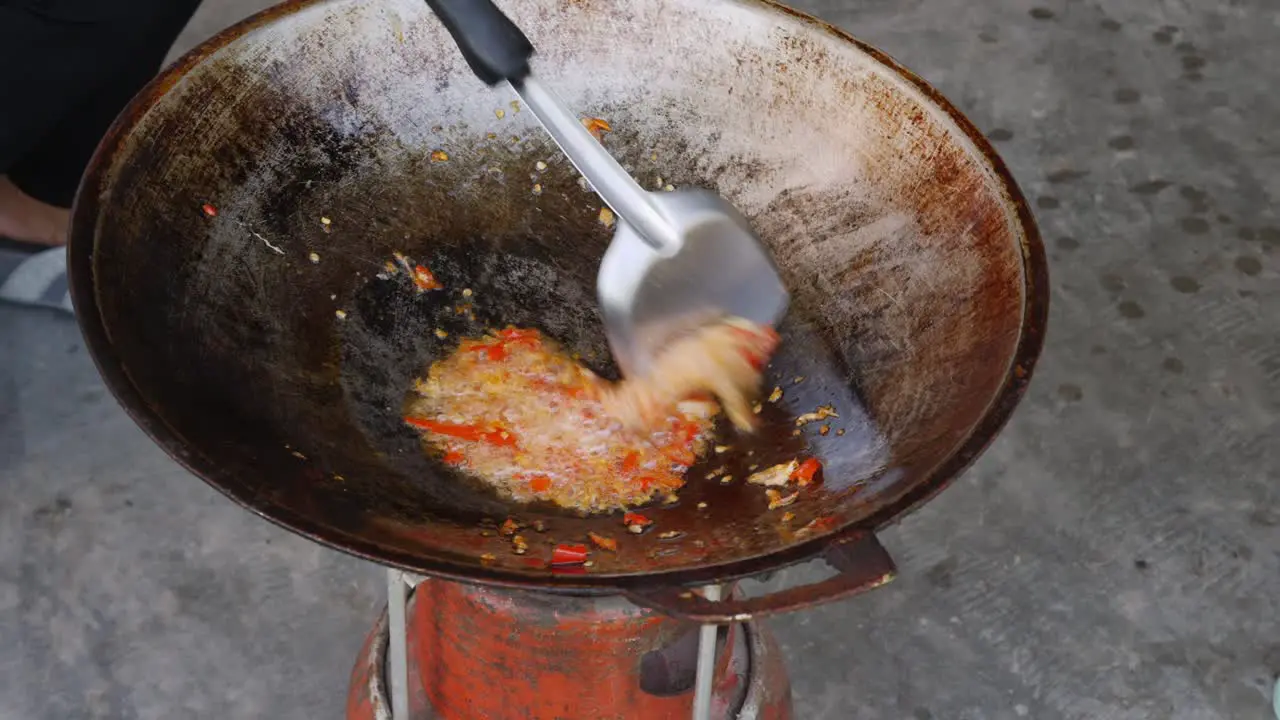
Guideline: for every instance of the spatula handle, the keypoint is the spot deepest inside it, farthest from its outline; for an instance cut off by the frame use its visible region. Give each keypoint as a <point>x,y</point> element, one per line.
<point>610,180</point>
<point>492,45</point>
<point>497,50</point>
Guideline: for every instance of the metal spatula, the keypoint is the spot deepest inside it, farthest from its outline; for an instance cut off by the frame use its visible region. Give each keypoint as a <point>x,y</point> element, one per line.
<point>678,259</point>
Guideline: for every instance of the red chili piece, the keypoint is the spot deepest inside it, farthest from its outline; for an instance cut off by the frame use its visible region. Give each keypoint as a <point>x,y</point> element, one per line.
<point>633,518</point>
<point>569,554</point>
<point>501,438</point>
<point>603,542</point>
<point>808,469</point>
<point>209,210</point>
<point>424,279</point>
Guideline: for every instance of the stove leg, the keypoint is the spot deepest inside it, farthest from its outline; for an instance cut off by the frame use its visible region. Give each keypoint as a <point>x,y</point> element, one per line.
<point>397,647</point>
<point>706,671</point>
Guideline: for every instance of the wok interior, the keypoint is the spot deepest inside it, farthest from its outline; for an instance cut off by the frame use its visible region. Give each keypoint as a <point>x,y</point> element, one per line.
<point>895,235</point>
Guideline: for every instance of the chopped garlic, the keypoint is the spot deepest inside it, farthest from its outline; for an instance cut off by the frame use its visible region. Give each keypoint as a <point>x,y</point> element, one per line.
<point>775,476</point>
<point>822,413</point>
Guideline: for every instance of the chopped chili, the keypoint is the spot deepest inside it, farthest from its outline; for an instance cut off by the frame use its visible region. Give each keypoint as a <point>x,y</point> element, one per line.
<point>209,210</point>
<point>597,127</point>
<point>667,482</point>
<point>539,483</point>
<point>424,279</point>
<point>509,527</point>
<point>604,543</point>
<point>569,554</point>
<point>496,352</point>
<point>687,431</point>
<point>636,523</point>
<point>808,470</point>
<point>826,523</point>
<point>496,349</point>
<point>633,518</point>
<point>453,457</point>
<point>631,462</point>
<point>497,436</point>
<point>679,455</point>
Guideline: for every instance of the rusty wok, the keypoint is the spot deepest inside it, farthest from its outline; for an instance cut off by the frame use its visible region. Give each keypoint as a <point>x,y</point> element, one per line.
<point>230,238</point>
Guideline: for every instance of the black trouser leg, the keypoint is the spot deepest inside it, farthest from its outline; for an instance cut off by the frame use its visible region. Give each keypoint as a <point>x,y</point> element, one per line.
<point>67,69</point>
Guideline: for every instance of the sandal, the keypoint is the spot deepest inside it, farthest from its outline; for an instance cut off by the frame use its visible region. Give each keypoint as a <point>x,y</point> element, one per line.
<point>34,275</point>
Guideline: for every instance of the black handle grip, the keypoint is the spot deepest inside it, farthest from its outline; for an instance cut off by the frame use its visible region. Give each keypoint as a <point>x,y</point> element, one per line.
<point>493,46</point>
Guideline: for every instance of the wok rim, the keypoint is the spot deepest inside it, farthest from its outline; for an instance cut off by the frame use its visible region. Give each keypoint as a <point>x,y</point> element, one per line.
<point>80,249</point>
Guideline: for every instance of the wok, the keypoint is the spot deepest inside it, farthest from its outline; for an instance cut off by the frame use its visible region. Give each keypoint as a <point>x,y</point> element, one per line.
<point>325,135</point>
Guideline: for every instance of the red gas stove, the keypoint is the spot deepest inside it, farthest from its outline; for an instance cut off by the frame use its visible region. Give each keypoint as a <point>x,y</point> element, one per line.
<point>451,651</point>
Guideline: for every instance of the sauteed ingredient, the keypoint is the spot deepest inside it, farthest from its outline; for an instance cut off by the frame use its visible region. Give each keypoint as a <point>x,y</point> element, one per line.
<point>807,472</point>
<point>777,499</point>
<point>821,413</point>
<point>522,416</point>
<point>724,360</point>
<point>597,127</point>
<point>636,523</point>
<point>603,542</point>
<point>775,476</point>
<point>800,473</point>
<point>424,280</point>
<point>569,554</point>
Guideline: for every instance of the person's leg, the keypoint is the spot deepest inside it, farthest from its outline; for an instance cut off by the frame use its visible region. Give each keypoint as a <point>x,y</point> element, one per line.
<point>96,55</point>
<point>67,68</point>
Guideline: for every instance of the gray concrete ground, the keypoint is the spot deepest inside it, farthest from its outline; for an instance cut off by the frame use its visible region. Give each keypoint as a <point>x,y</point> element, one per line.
<point>1114,556</point>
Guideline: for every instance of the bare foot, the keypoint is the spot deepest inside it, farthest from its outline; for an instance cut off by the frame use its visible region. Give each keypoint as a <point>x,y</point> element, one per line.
<point>26,219</point>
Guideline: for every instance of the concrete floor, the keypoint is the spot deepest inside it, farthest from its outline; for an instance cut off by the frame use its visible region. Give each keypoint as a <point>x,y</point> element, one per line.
<point>1115,555</point>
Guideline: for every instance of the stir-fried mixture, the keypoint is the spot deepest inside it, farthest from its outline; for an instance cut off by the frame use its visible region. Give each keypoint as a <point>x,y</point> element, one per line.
<point>723,360</point>
<point>514,410</point>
